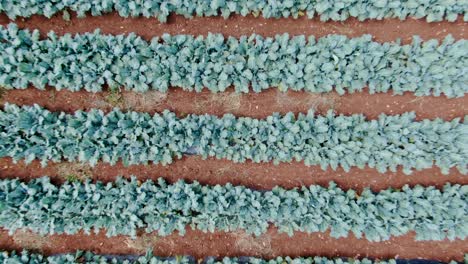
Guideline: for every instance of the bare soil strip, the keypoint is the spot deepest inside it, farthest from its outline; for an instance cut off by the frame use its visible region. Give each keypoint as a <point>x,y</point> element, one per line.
<point>257,105</point>
<point>383,30</point>
<point>268,245</point>
<point>263,176</point>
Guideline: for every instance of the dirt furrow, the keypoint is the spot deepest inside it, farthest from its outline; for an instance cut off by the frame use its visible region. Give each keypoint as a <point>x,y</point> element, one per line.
<point>254,175</point>
<point>268,245</point>
<point>383,30</point>
<point>257,105</point>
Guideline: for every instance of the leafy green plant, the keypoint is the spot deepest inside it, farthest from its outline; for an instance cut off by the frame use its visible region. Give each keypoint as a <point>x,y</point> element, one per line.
<point>331,141</point>
<point>91,60</point>
<point>72,178</point>
<point>126,206</point>
<point>114,98</point>
<point>337,10</point>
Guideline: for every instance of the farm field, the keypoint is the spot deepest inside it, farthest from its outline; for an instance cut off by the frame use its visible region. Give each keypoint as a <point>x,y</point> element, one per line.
<point>249,132</point>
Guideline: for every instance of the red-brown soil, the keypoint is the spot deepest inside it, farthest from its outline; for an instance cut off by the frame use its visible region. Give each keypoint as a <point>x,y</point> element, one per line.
<point>257,105</point>
<point>383,30</point>
<point>254,175</point>
<point>268,245</point>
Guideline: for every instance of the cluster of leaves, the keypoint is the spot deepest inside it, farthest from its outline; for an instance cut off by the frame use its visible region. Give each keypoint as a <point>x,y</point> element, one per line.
<point>334,62</point>
<point>337,10</point>
<point>26,257</point>
<point>128,205</point>
<point>32,132</point>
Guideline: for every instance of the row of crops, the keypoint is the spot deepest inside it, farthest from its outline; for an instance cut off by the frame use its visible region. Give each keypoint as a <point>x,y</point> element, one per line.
<point>32,132</point>
<point>95,62</point>
<point>337,10</point>
<point>127,206</point>
<point>346,65</point>
<point>88,257</point>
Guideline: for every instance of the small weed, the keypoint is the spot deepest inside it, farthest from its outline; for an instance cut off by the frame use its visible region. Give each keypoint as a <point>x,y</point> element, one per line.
<point>2,92</point>
<point>52,96</point>
<point>72,178</point>
<point>114,98</point>
<point>66,16</point>
<point>74,172</point>
<point>144,242</point>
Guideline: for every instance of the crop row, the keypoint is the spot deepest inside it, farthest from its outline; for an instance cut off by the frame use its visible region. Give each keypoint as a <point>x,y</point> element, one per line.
<point>337,10</point>
<point>123,207</point>
<point>32,132</point>
<point>91,60</point>
<point>26,257</point>
<point>90,258</point>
